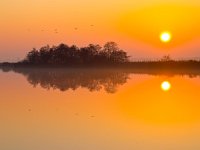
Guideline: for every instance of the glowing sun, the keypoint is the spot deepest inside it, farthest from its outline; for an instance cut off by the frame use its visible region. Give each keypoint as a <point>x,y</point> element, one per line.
<point>165,37</point>
<point>165,86</point>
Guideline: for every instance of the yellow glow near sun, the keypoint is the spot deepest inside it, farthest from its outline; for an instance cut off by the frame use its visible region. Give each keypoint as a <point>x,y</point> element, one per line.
<point>165,37</point>
<point>166,86</point>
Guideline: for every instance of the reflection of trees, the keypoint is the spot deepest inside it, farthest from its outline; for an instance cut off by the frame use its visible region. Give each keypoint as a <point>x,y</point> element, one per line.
<point>65,79</point>
<point>90,78</point>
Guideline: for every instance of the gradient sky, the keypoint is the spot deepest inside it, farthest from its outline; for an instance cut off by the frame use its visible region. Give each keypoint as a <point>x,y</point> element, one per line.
<point>135,26</point>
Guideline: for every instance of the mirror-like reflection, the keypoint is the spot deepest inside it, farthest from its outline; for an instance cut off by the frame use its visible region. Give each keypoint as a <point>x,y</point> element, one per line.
<point>156,111</point>
<point>65,79</point>
<point>92,79</point>
<point>166,85</point>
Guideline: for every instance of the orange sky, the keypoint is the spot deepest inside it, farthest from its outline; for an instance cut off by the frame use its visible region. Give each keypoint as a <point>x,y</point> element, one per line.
<point>135,26</point>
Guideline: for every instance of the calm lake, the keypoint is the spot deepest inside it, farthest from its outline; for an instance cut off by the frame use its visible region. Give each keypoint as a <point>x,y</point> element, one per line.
<point>82,109</point>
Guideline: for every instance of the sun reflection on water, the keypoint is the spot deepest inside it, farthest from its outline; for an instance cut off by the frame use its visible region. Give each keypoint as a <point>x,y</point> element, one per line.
<point>165,85</point>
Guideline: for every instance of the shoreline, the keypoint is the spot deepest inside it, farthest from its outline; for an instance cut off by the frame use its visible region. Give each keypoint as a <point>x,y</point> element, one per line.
<point>190,64</point>
<point>170,68</point>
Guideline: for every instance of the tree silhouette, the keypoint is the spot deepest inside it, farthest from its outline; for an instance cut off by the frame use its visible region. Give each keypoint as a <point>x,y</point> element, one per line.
<point>166,58</point>
<point>66,55</point>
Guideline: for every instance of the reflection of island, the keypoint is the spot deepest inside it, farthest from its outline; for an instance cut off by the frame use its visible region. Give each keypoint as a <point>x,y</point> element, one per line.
<point>65,79</point>
<point>107,78</point>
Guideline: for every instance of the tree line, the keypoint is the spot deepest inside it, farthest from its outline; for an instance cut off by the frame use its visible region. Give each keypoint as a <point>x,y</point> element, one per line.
<point>63,54</point>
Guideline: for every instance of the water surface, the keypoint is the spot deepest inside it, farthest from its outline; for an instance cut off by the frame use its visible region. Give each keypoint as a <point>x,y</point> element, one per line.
<point>81,109</point>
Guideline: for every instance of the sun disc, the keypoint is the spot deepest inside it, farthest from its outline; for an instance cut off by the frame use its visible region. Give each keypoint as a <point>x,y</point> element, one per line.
<point>165,37</point>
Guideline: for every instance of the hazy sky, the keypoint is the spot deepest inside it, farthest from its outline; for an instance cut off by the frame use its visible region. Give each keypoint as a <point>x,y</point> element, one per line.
<point>135,26</point>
